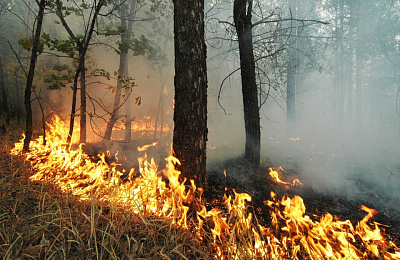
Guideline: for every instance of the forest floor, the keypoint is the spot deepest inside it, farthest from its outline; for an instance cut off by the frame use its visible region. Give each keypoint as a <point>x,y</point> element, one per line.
<point>37,221</point>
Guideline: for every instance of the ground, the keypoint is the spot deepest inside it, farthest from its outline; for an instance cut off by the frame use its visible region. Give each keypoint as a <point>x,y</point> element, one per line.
<point>38,222</point>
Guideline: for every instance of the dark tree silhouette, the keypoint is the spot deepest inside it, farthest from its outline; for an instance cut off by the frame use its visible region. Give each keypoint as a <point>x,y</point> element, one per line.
<point>242,10</point>
<point>190,115</point>
<point>31,73</point>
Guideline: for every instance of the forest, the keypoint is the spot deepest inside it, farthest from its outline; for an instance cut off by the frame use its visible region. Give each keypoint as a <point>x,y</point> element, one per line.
<point>199,129</point>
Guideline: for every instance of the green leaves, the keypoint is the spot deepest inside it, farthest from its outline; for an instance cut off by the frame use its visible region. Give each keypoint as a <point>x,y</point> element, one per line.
<point>63,75</point>
<point>68,46</point>
<point>27,43</point>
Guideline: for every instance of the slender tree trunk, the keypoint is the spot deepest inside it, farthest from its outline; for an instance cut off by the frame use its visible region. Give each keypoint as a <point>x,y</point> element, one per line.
<point>83,46</point>
<point>190,114</point>
<point>291,82</point>
<point>359,76</point>
<point>18,95</point>
<point>160,110</point>
<point>31,73</point>
<point>5,107</point>
<point>291,95</point>
<point>123,71</point>
<point>242,16</point>
<point>73,107</point>
<point>82,138</point>
<point>128,121</point>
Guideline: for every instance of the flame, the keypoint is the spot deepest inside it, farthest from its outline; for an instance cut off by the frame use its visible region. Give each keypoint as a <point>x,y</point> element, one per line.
<point>142,128</point>
<point>275,176</point>
<point>231,229</point>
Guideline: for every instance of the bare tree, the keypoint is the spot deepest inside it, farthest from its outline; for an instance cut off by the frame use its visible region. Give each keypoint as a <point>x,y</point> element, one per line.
<point>242,12</point>
<point>31,73</point>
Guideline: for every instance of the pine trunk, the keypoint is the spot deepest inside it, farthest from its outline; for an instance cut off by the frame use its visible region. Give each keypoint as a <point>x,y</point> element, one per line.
<point>190,114</point>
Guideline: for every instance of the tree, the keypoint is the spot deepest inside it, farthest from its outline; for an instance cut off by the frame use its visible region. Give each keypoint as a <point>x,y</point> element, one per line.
<point>291,80</point>
<point>31,73</point>
<point>82,44</point>
<point>242,10</point>
<point>190,114</point>
<point>127,13</point>
<point>5,107</point>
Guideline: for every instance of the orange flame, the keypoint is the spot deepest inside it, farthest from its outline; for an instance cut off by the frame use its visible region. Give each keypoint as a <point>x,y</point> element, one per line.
<point>232,229</point>
<point>275,176</point>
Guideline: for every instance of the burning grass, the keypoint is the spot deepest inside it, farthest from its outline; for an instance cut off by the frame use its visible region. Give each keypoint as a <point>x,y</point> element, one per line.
<point>39,221</point>
<point>86,209</point>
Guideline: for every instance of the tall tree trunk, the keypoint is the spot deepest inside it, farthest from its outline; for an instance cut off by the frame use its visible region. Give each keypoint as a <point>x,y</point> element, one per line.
<point>359,68</point>
<point>190,114</point>
<point>122,72</point>
<point>73,107</point>
<point>291,94</point>
<point>127,24</point>
<point>82,138</point>
<point>291,82</point>
<point>18,95</point>
<point>31,73</point>
<point>242,17</point>
<point>5,108</point>
<point>128,121</point>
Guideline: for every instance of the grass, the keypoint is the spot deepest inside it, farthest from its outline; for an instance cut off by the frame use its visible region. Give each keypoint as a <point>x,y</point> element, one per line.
<point>37,221</point>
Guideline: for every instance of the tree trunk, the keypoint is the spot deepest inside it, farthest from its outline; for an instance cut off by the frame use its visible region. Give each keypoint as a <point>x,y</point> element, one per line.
<point>18,94</point>
<point>291,82</point>
<point>31,73</point>
<point>242,16</point>
<point>83,46</point>
<point>123,71</point>
<point>82,138</point>
<point>190,114</point>
<point>73,107</point>
<point>359,68</point>
<point>5,107</point>
<point>128,121</point>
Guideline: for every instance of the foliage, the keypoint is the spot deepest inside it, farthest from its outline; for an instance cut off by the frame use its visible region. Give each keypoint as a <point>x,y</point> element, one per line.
<point>63,75</point>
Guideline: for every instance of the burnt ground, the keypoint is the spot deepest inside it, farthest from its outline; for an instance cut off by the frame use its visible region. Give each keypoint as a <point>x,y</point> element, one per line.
<point>242,177</point>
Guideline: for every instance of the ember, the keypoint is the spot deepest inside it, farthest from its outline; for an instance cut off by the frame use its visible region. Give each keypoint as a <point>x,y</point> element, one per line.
<point>232,229</point>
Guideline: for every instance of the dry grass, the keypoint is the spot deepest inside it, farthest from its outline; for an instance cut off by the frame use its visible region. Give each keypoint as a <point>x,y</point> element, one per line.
<point>38,222</point>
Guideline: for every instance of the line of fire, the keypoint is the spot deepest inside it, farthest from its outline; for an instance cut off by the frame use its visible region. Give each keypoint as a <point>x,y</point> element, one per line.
<point>200,129</point>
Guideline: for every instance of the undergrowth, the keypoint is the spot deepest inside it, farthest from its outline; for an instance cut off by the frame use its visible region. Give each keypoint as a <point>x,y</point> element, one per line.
<point>37,221</point>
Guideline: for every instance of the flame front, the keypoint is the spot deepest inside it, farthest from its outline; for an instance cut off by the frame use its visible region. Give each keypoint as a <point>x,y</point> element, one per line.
<point>232,230</point>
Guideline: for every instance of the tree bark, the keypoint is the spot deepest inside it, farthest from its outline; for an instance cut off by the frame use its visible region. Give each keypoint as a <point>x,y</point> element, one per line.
<point>242,17</point>
<point>190,114</point>
<point>31,73</point>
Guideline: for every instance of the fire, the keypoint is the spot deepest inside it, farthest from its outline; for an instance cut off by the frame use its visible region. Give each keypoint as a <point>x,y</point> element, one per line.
<point>275,176</point>
<point>231,230</point>
<point>144,128</point>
